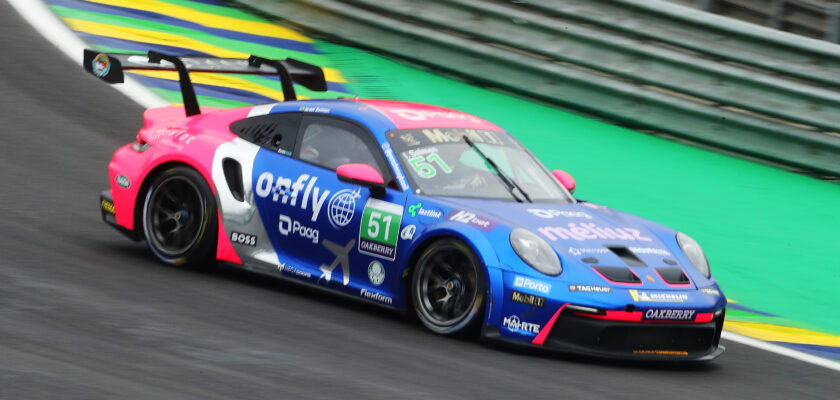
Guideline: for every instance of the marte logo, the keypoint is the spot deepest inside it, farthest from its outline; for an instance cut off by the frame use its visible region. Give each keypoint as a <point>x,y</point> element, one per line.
<point>514,324</point>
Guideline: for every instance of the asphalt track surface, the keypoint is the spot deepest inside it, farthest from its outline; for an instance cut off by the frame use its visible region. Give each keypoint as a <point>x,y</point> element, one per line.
<point>87,314</point>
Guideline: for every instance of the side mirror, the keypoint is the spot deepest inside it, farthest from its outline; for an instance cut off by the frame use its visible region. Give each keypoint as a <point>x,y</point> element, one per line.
<point>363,175</point>
<point>565,179</point>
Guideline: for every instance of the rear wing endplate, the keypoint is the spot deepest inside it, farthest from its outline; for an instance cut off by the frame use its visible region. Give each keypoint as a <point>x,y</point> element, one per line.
<point>110,66</point>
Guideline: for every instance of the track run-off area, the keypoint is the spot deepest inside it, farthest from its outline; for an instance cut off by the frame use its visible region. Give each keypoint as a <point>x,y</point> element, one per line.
<point>84,313</point>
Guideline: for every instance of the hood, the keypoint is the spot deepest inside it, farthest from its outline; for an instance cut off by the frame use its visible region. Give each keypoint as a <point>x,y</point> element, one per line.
<point>597,237</point>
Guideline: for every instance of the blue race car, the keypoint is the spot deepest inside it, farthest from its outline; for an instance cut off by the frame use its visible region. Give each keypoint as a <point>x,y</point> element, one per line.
<point>409,206</point>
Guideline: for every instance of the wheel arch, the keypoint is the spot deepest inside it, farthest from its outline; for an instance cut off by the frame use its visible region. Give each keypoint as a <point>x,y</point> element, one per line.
<point>144,187</point>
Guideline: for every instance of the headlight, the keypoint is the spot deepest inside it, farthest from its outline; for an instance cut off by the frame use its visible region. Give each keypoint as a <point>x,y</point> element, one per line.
<point>535,252</point>
<point>694,253</point>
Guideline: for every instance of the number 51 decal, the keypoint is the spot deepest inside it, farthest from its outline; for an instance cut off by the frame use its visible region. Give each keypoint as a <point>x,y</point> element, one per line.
<point>424,167</point>
<point>380,228</point>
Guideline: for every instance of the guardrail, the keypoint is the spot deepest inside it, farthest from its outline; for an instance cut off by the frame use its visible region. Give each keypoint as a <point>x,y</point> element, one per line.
<point>643,63</point>
<point>813,19</point>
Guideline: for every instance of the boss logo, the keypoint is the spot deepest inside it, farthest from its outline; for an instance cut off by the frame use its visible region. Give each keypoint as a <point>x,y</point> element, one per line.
<point>243,238</point>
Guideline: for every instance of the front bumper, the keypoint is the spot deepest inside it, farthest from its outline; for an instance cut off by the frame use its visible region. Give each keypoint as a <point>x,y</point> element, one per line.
<point>108,210</point>
<point>572,332</point>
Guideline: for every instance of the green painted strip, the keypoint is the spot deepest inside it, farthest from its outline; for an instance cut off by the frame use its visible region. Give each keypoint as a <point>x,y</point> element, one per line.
<point>218,10</point>
<point>228,44</point>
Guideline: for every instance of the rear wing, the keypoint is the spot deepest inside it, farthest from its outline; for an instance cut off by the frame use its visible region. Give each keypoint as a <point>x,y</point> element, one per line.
<point>110,66</point>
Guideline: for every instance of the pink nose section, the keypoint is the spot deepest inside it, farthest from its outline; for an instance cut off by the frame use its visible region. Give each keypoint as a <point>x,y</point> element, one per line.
<point>565,178</point>
<point>360,172</point>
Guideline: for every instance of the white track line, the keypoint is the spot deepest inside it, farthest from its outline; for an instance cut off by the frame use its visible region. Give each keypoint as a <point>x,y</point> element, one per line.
<point>51,27</point>
<point>781,350</point>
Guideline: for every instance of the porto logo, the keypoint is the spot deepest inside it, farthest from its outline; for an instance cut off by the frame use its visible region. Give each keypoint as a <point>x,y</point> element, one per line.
<point>101,65</point>
<point>376,273</point>
<point>342,207</point>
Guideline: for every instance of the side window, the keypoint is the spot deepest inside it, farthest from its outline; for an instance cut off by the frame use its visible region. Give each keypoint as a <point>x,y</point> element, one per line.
<point>330,143</point>
<point>276,132</point>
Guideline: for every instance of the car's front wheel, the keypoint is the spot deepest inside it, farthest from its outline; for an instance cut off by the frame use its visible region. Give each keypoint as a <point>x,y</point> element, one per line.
<point>448,288</point>
<point>179,218</point>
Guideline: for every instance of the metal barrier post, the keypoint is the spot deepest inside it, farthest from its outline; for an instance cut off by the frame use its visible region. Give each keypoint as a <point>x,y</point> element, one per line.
<point>708,5</point>
<point>832,23</point>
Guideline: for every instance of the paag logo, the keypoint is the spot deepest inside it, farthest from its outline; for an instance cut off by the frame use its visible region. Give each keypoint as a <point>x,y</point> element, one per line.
<point>288,226</point>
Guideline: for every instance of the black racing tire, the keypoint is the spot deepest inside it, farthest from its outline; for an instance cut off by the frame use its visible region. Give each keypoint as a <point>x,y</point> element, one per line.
<point>448,288</point>
<point>180,219</point>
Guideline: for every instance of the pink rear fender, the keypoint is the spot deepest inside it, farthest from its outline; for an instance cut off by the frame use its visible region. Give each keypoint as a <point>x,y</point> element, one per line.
<point>172,139</point>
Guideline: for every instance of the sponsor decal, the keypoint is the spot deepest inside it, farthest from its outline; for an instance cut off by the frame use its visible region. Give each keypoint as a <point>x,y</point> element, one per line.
<point>531,284</point>
<point>528,299</point>
<point>590,289</point>
<point>514,324</point>
<point>650,278</point>
<point>107,206</point>
<point>342,257</point>
<point>243,238</point>
<point>380,228</point>
<point>585,231</point>
<point>342,207</point>
<point>407,233</point>
<point>395,166</point>
<point>710,291</point>
<point>376,272</point>
<point>376,296</point>
<point>659,297</point>
<point>576,251</point>
<point>549,213</point>
<point>123,181</point>
<point>288,226</point>
<point>669,314</point>
<point>175,137</point>
<point>287,192</point>
<point>101,65</point>
<point>648,250</point>
<point>409,139</point>
<point>323,110</point>
<point>475,135</point>
<point>417,209</point>
<point>422,115</point>
<point>662,352</point>
<point>290,270</point>
<point>466,217</point>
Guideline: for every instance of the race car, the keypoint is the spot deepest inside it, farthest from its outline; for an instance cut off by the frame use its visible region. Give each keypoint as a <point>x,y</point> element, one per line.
<point>412,207</point>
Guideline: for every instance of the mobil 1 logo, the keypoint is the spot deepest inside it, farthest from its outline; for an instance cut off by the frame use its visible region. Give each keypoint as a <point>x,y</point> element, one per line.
<point>380,228</point>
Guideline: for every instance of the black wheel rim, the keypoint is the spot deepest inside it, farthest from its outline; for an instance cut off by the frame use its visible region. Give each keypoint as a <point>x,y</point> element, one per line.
<point>447,286</point>
<point>175,216</point>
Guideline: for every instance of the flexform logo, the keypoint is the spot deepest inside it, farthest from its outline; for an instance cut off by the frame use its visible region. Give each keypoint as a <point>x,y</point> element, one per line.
<point>286,192</point>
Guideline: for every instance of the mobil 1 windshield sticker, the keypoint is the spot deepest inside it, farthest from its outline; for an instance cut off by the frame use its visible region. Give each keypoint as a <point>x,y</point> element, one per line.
<point>380,229</point>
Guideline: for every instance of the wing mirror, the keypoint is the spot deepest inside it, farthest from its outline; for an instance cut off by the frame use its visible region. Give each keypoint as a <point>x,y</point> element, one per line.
<point>565,178</point>
<point>363,175</point>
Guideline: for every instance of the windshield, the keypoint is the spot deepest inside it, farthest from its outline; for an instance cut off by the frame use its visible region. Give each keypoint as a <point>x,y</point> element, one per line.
<point>440,162</point>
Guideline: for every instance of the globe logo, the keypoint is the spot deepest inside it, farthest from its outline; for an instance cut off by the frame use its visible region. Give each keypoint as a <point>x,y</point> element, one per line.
<point>342,207</point>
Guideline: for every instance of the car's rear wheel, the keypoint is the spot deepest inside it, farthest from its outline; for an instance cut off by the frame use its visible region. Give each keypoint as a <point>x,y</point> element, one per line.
<point>448,288</point>
<point>179,218</point>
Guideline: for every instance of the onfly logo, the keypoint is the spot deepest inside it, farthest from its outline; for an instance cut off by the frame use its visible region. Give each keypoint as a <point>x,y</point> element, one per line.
<point>288,226</point>
<point>286,192</point>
